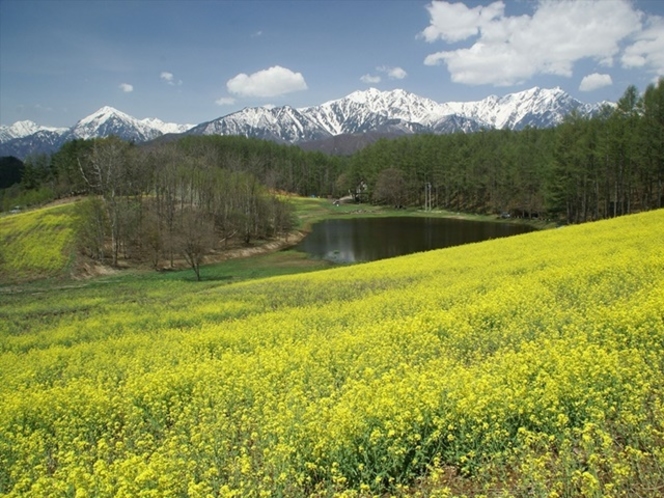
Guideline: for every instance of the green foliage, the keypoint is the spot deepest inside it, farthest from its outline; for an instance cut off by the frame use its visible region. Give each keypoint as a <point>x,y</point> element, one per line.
<point>390,187</point>
<point>279,167</point>
<point>24,184</point>
<point>67,167</point>
<point>37,172</point>
<point>11,171</point>
<point>16,196</point>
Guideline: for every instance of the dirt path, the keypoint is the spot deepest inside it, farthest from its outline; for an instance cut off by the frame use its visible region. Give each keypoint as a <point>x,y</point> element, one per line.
<point>278,244</point>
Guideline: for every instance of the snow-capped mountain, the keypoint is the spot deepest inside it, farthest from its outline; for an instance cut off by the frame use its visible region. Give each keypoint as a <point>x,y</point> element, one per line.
<point>394,112</point>
<point>363,110</point>
<point>398,112</point>
<point>25,137</point>
<point>26,128</point>
<point>109,121</point>
<point>166,128</point>
<point>284,124</point>
<point>537,107</point>
<point>40,142</point>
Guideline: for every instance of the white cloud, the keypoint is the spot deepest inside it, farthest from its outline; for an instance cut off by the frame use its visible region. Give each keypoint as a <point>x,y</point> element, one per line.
<point>648,49</point>
<point>270,82</point>
<point>257,34</point>
<point>511,49</point>
<point>606,62</point>
<point>454,22</point>
<point>225,101</point>
<point>126,87</point>
<point>370,79</point>
<point>169,78</point>
<point>595,81</point>
<point>394,73</point>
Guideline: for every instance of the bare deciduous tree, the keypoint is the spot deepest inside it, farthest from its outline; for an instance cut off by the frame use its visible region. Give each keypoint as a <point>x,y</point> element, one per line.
<point>196,237</point>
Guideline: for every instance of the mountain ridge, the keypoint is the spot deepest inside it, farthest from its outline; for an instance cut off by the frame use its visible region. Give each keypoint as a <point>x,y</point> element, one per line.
<point>392,112</point>
<point>398,111</point>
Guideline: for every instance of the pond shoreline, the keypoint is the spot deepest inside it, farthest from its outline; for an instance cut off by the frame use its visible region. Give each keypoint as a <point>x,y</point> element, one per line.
<point>312,210</point>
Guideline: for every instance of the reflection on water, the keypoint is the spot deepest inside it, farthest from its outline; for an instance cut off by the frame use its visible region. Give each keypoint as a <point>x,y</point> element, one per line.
<point>369,239</point>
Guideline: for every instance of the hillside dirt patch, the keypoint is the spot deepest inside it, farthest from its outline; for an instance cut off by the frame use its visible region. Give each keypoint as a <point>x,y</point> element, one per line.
<point>89,268</point>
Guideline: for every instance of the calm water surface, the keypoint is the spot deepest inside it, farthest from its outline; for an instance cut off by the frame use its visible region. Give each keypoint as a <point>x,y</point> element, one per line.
<point>369,239</point>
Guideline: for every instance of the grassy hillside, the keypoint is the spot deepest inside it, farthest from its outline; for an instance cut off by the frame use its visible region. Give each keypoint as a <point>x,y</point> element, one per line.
<point>526,366</point>
<point>36,244</point>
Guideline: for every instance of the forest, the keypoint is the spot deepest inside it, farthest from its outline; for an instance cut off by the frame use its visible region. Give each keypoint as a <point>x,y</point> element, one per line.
<point>155,201</point>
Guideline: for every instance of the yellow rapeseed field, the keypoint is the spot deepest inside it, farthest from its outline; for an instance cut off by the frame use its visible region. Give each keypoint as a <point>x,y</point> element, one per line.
<point>527,366</point>
<point>36,243</point>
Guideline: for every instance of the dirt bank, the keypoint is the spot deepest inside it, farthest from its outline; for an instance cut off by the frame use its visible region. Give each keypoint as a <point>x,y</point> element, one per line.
<point>88,268</point>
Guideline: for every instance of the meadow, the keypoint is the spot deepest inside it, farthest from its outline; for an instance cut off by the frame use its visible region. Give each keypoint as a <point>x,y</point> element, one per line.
<point>527,366</point>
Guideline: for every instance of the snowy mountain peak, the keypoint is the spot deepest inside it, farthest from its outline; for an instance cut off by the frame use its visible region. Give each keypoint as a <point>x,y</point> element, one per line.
<point>361,96</point>
<point>165,128</point>
<point>110,121</point>
<point>17,130</point>
<point>378,98</point>
<point>384,112</point>
<point>24,128</point>
<point>103,114</point>
<point>107,109</point>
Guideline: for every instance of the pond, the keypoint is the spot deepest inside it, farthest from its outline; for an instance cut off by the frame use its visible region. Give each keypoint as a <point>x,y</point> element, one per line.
<point>368,239</point>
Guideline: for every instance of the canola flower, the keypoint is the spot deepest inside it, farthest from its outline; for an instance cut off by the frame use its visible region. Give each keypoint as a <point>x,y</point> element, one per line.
<point>36,242</point>
<point>527,366</point>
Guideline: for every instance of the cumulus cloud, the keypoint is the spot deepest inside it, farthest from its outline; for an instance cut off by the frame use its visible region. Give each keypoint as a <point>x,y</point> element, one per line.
<point>270,82</point>
<point>394,73</point>
<point>453,22</point>
<point>595,81</point>
<point>508,50</point>
<point>225,101</point>
<point>370,79</point>
<point>126,87</point>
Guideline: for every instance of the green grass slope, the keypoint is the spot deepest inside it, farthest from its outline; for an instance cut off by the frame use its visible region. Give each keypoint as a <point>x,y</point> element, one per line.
<point>526,366</point>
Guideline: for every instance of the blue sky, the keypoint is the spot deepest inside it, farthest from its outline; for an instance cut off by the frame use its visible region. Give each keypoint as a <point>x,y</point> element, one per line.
<point>193,61</point>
